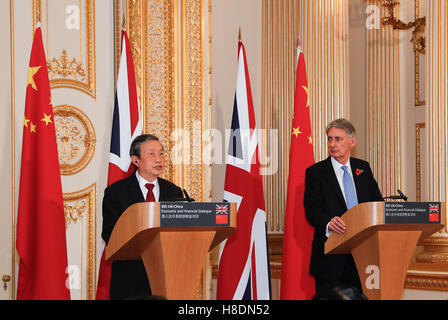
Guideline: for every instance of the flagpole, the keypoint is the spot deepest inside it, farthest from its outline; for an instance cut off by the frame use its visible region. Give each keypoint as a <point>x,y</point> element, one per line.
<point>13,151</point>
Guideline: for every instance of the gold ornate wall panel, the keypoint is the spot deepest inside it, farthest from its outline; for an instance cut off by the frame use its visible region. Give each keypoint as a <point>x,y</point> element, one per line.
<point>383,95</point>
<point>81,224</point>
<point>193,93</point>
<point>322,27</point>
<point>69,33</point>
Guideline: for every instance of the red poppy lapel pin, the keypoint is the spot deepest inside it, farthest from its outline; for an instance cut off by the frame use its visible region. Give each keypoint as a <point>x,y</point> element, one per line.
<point>359,172</point>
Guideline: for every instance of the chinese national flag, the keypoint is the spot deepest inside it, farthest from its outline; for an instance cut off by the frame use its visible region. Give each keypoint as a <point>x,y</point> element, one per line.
<point>41,241</point>
<point>296,283</point>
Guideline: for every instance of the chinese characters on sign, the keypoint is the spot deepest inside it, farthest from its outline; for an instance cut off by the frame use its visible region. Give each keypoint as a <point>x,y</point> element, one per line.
<point>411,212</point>
<point>194,214</point>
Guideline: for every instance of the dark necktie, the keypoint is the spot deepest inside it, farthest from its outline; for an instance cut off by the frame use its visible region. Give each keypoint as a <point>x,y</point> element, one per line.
<point>150,196</point>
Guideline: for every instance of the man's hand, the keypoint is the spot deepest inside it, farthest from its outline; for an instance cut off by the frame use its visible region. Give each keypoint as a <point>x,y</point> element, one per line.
<point>337,225</point>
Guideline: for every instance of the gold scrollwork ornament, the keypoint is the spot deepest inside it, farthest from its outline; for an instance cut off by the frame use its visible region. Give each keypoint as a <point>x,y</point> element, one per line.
<point>66,67</point>
<point>75,138</point>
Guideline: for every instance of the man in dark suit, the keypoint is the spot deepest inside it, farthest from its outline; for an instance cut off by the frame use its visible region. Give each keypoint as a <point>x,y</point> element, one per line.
<point>333,186</point>
<point>129,278</point>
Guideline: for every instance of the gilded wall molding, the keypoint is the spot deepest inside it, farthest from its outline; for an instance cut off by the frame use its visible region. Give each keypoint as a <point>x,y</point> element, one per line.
<point>66,70</point>
<point>426,281</point>
<point>418,149</point>
<point>418,54</point>
<point>37,12</point>
<point>171,84</point>
<point>136,28</point>
<point>193,114</point>
<point>435,250</point>
<point>193,102</point>
<point>432,257</point>
<point>75,137</point>
<point>80,207</point>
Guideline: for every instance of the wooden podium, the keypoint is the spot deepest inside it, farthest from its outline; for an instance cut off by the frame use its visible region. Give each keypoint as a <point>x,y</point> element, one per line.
<point>172,239</point>
<point>382,237</point>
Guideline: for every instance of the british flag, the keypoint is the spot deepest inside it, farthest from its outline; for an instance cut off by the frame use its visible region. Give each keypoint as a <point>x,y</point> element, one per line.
<point>434,212</point>
<point>434,208</point>
<point>244,265</point>
<point>126,127</point>
<point>222,209</point>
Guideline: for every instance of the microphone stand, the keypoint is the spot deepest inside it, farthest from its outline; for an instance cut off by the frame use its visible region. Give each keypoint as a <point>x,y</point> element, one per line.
<point>400,197</point>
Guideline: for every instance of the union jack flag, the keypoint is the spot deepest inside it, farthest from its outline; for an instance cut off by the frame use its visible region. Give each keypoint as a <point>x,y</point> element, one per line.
<point>222,208</point>
<point>434,208</point>
<point>244,265</point>
<point>126,127</point>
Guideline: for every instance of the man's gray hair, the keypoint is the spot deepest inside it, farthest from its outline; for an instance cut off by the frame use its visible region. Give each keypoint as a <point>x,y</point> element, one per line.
<point>137,143</point>
<point>342,124</point>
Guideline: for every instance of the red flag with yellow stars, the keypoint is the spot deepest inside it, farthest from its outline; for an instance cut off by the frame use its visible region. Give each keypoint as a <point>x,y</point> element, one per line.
<point>296,282</point>
<point>41,239</point>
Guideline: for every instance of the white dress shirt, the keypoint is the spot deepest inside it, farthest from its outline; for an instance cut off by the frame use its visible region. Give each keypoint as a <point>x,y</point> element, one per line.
<point>337,167</point>
<point>142,183</point>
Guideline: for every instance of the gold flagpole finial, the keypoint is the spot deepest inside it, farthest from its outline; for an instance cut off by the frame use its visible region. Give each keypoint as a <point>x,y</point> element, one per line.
<point>38,21</point>
<point>123,23</point>
<point>299,43</point>
<point>239,34</point>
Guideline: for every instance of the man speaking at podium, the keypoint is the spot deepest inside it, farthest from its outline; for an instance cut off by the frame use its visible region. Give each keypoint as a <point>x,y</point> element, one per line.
<point>333,186</point>
<point>129,278</point>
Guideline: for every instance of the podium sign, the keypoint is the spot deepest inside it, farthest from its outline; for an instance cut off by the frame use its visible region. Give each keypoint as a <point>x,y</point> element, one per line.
<point>194,214</point>
<point>412,212</point>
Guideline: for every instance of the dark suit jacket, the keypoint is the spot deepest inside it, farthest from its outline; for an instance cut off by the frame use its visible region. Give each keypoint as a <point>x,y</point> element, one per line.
<point>323,200</point>
<point>129,277</point>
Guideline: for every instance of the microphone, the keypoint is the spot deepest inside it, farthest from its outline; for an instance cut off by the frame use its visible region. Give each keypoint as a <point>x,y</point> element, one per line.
<point>400,197</point>
<point>187,196</point>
